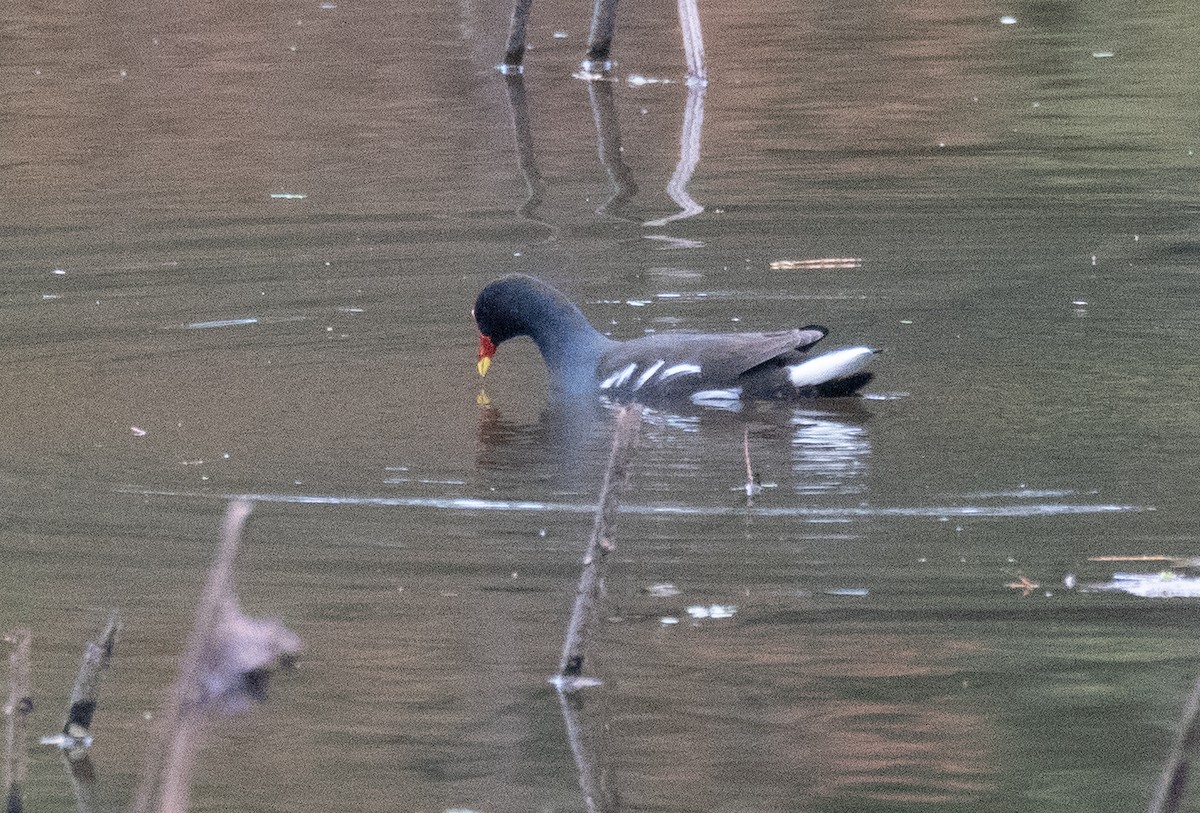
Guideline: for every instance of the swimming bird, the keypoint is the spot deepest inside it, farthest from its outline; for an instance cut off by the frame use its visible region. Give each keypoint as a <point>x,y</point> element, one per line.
<point>705,368</point>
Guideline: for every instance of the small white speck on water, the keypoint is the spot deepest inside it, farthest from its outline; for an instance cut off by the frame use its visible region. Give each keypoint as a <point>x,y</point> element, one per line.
<point>560,35</point>
<point>1102,54</point>
<point>1093,259</point>
<point>1008,19</point>
<point>60,272</point>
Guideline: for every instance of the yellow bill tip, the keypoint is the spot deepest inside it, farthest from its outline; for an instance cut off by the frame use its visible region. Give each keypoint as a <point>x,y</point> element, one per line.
<point>483,365</point>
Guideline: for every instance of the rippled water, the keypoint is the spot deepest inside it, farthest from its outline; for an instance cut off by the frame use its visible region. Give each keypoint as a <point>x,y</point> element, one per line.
<point>240,246</point>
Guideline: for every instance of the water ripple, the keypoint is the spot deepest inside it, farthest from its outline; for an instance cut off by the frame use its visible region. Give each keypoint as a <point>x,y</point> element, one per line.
<point>668,509</point>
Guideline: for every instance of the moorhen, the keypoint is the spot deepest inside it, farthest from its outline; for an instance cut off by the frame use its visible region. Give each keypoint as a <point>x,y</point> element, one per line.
<point>706,368</point>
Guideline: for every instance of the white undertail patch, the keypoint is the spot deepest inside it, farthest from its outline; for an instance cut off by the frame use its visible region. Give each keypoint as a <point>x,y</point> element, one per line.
<point>829,366</point>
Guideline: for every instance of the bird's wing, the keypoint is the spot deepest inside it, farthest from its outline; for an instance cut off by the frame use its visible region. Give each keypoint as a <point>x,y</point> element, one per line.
<point>665,364</point>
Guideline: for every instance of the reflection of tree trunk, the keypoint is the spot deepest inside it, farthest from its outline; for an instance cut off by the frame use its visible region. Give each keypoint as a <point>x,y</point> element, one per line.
<point>689,158</point>
<point>586,736</point>
<point>535,187</point>
<point>608,145</point>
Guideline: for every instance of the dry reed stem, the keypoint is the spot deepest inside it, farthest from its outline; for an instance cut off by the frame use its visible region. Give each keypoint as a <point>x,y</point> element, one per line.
<point>601,544</point>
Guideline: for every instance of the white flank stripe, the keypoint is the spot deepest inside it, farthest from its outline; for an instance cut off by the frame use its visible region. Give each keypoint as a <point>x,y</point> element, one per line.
<point>828,366</point>
<point>653,368</point>
<point>679,369</point>
<point>619,377</point>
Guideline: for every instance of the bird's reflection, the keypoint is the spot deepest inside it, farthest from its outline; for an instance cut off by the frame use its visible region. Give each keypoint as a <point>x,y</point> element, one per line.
<point>828,447</point>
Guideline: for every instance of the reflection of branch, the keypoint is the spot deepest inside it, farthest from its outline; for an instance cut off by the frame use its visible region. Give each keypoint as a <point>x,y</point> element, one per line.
<point>689,157</point>
<point>600,545</point>
<point>83,780</point>
<point>523,136</point>
<point>17,709</point>
<point>1173,780</point>
<point>608,146</point>
<point>586,738</point>
<point>228,661</point>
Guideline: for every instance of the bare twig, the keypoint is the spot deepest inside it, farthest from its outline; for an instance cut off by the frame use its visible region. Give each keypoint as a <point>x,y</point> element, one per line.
<point>1173,780</point>
<point>601,543</point>
<point>16,752</point>
<point>752,484</point>
<point>225,668</point>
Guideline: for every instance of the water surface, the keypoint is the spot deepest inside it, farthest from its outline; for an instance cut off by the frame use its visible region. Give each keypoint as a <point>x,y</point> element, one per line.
<point>240,247</point>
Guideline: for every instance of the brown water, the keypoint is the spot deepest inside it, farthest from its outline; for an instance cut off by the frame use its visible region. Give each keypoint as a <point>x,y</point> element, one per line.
<point>1022,201</point>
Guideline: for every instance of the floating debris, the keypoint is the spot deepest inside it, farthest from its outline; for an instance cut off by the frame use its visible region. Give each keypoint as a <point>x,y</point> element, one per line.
<point>820,264</point>
<point>1008,19</point>
<point>289,195</point>
<point>851,592</point>
<point>1025,584</point>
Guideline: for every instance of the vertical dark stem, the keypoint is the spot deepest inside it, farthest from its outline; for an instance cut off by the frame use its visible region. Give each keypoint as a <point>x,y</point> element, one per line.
<point>600,39</point>
<point>1172,782</point>
<point>514,50</point>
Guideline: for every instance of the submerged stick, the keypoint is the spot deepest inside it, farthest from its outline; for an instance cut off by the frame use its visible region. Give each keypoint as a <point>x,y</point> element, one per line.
<point>224,669</point>
<point>1173,781</point>
<point>586,737</point>
<point>17,709</point>
<point>600,545</point>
